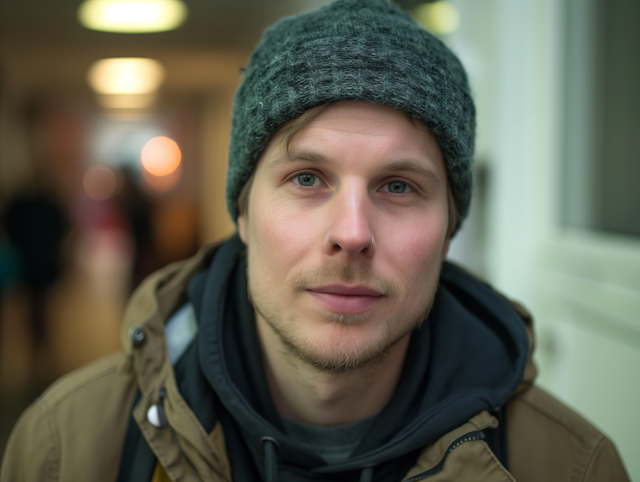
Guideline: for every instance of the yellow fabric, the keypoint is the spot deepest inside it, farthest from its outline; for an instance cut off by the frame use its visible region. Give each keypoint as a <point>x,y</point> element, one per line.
<point>159,475</point>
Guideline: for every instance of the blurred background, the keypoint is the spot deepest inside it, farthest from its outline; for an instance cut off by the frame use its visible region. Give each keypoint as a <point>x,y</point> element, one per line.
<point>114,130</point>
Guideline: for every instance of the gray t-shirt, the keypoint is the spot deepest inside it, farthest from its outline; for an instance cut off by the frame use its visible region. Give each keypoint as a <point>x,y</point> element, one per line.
<point>334,444</point>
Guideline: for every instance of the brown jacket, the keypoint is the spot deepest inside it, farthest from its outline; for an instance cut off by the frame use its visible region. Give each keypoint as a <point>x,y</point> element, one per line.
<point>75,431</point>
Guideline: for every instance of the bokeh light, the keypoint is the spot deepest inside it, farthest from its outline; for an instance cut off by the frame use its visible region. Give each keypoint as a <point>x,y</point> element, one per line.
<point>100,182</point>
<point>161,156</point>
<point>440,17</point>
<point>127,75</point>
<point>132,16</point>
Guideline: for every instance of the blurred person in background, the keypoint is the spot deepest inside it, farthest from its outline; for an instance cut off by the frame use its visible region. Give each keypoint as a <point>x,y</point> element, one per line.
<point>136,212</point>
<point>37,226</point>
<point>9,258</point>
<point>328,339</point>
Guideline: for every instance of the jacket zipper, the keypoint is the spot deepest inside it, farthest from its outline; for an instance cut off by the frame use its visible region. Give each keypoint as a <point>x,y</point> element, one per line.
<point>471,436</point>
<point>161,396</point>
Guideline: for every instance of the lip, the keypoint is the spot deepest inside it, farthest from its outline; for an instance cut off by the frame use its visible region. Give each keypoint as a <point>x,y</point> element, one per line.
<point>339,298</point>
<point>346,290</point>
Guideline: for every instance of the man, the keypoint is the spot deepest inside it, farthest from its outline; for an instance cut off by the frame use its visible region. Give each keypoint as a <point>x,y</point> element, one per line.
<point>329,340</point>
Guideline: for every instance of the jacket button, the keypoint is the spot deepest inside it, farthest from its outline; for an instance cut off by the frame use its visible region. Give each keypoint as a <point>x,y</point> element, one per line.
<point>156,416</point>
<point>138,335</point>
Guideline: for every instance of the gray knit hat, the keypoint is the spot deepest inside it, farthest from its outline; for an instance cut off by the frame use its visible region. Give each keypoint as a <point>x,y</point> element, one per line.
<point>352,50</point>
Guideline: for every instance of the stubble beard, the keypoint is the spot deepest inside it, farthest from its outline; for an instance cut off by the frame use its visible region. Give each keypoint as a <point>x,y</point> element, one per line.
<point>340,358</point>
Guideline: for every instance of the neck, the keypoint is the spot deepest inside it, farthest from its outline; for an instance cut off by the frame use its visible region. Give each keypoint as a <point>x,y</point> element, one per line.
<point>305,394</point>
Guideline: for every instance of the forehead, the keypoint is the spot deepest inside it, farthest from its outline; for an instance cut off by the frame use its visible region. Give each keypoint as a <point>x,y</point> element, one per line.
<point>339,126</point>
<point>361,116</point>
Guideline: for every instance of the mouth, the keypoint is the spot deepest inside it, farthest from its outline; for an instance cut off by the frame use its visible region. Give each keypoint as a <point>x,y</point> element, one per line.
<point>347,299</point>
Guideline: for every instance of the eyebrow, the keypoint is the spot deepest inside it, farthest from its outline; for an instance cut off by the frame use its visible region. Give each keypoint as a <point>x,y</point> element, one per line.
<point>292,156</point>
<point>415,166</point>
<point>401,165</point>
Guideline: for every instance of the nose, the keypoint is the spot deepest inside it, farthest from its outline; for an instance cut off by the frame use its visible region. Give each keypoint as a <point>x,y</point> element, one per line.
<point>350,231</point>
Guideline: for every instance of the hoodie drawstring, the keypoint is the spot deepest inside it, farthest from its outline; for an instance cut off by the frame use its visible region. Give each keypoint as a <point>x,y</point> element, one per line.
<point>270,460</point>
<point>367,474</point>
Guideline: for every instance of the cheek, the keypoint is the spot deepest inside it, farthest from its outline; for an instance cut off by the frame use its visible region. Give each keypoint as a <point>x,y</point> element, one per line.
<point>279,237</point>
<point>417,247</point>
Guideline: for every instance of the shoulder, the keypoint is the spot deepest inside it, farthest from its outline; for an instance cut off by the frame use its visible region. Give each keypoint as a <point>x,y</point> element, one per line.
<point>90,381</point>
<point>549,441</point>
<point>83,417</point>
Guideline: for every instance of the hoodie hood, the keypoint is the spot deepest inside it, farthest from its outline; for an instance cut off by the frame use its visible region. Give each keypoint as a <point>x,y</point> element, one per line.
<point>469,356</point>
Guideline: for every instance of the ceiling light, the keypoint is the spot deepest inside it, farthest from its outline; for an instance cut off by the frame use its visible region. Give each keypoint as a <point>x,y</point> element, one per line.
<point>132,16</point>
<point>126,76</point>
<point>440,18</point>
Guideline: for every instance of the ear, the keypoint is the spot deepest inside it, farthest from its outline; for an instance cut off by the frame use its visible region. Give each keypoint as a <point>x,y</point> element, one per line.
<point>242,228</point>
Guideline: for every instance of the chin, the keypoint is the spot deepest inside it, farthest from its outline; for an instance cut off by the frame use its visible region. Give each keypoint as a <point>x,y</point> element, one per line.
<point>342,343</point>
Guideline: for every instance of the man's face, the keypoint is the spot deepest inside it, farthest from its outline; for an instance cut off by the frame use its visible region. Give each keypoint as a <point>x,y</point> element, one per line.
<point>346,234</point>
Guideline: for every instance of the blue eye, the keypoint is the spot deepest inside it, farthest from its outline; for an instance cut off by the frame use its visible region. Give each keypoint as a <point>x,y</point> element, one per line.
<point>397,187</point>
<point>305,179</point>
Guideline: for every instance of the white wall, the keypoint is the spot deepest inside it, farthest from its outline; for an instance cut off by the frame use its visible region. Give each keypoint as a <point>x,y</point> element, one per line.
<point>582,287</point>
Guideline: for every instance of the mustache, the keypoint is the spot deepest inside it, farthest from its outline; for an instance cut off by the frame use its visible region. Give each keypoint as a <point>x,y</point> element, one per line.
<point>354,273</point>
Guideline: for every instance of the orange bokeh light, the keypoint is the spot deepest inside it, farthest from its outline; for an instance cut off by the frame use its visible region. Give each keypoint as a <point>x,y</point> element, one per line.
<point>161,156</point>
